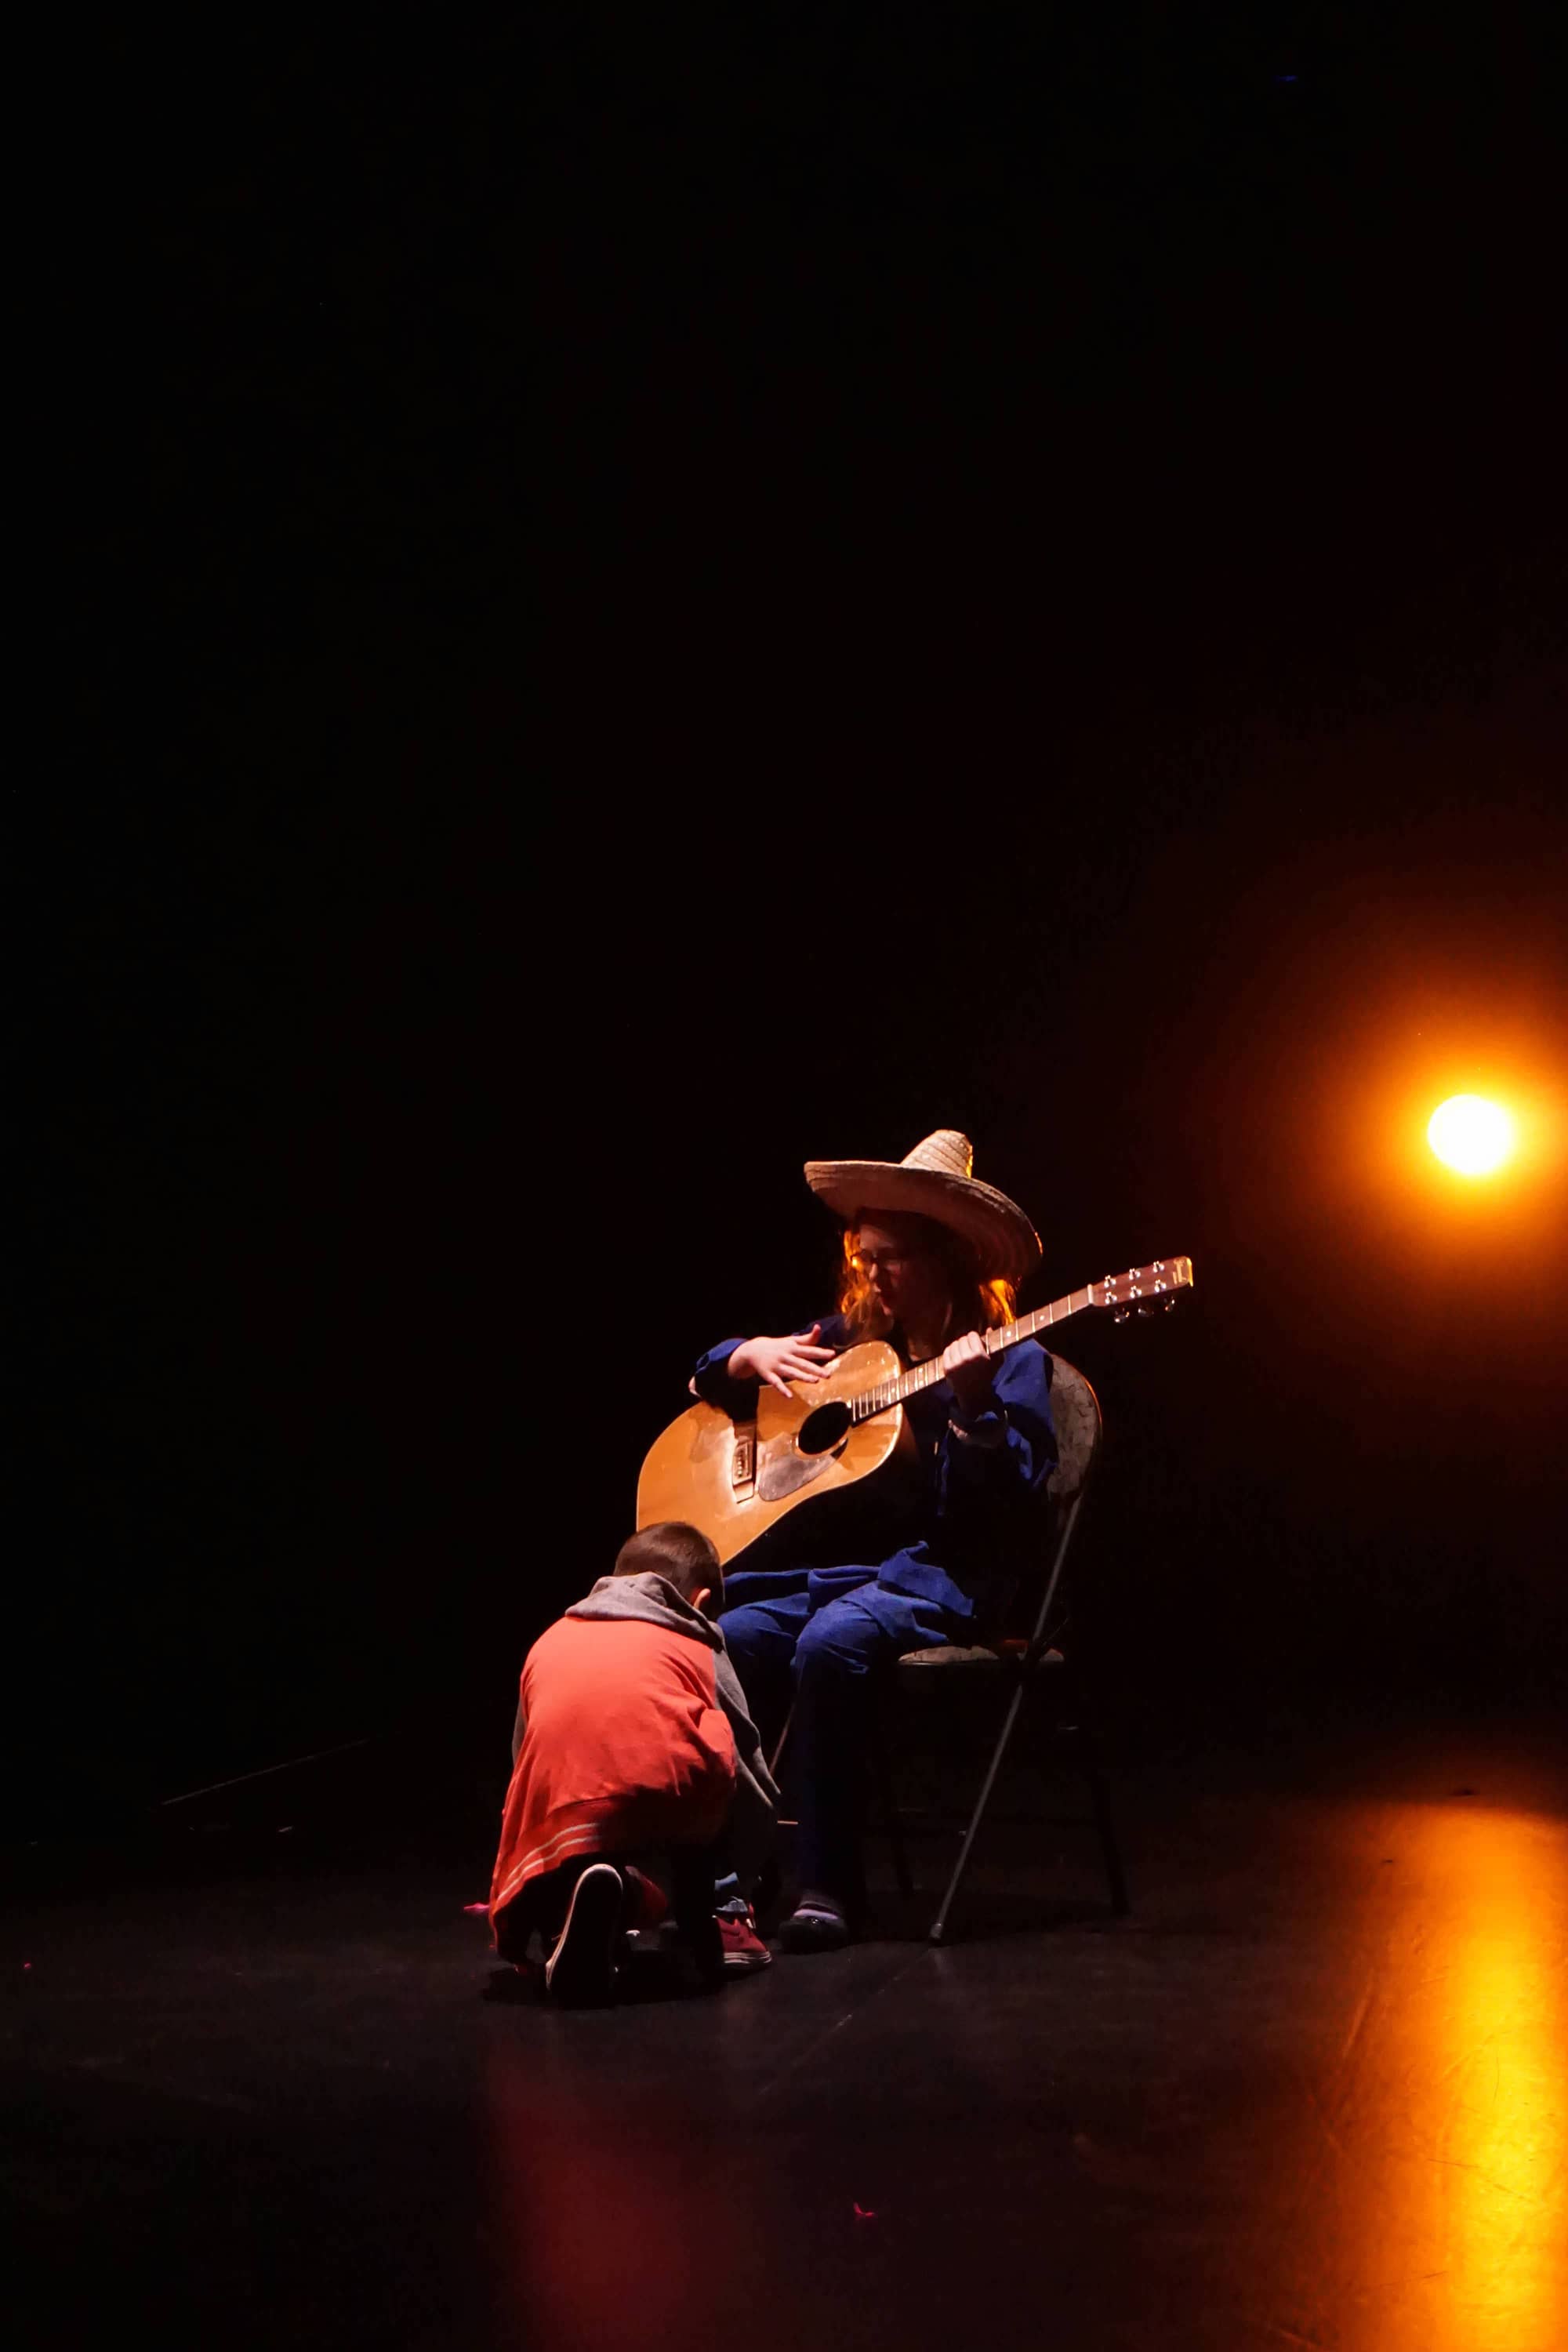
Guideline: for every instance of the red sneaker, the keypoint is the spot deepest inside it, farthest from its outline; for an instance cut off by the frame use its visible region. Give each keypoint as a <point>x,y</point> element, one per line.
<point>646,1902</point>
<point>743,1948</point>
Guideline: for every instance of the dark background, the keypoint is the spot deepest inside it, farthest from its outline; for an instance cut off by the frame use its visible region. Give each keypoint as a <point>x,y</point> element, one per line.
<point>719,592</point>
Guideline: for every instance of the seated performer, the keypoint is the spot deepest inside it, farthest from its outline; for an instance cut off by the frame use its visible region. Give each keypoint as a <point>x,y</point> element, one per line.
<point>632,1740</point>
<point>850,1582</point>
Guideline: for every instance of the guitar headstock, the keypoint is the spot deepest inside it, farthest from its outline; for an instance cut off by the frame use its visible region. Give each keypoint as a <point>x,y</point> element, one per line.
<point>1144,1289</point>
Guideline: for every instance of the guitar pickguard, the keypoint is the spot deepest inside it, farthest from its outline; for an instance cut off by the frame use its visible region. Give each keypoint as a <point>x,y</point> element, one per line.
<point>783,1469</point>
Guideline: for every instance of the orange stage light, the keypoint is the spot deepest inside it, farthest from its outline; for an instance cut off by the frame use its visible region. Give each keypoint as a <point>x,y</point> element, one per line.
<point>1470,1135</point>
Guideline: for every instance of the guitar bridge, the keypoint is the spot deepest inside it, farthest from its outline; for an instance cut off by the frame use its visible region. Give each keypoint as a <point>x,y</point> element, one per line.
<point>744,1462</point>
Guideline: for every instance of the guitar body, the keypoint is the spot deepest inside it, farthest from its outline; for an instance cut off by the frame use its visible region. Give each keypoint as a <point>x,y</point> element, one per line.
<point>736,1479</point>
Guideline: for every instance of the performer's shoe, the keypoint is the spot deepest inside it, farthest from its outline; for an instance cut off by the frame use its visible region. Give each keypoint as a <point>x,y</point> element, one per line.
<point>817,1923</point>
<point>744,1949</point>
<point>579,1972</point>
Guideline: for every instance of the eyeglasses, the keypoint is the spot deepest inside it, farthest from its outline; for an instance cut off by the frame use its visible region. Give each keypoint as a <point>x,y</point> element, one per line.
<point>879,1260</point>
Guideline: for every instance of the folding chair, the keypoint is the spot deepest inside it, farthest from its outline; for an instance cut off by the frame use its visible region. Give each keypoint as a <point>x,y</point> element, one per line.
<point>1026,1665</point>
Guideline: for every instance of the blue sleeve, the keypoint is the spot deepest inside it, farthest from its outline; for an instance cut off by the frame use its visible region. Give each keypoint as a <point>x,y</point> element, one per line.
<point>1011,1469</point>
<point>710,1378</point>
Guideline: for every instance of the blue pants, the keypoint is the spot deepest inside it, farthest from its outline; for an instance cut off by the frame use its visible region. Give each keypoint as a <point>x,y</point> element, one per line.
<point>827,1628</point>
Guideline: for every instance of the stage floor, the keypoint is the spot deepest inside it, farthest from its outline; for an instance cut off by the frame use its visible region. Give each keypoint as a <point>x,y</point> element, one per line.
<point>1313,2092</point>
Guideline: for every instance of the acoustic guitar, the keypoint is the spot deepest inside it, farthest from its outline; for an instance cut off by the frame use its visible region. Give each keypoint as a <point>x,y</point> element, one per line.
<point>735,1480</point>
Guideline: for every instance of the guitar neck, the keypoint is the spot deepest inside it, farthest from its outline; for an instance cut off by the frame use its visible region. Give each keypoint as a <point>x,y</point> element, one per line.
<point>1004,1336</point>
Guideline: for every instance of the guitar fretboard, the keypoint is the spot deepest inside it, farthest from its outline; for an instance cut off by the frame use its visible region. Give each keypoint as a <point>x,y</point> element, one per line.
<point>1006,1335</point>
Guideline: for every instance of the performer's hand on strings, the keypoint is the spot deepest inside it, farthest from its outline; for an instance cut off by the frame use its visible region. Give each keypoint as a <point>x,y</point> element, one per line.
<point>968,1367</point>
<point>796,1357</point>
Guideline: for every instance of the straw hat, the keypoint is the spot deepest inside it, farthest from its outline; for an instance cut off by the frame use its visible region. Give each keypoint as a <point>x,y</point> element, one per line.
<point>934,1180</point>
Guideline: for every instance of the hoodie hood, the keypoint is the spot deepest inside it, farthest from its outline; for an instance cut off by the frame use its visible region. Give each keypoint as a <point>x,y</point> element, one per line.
<point>653,1600</point>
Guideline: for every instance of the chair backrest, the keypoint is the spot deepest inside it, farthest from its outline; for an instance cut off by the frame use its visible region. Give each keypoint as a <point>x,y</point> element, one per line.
<point>1027,1612</point>
<point>1075,1409</point>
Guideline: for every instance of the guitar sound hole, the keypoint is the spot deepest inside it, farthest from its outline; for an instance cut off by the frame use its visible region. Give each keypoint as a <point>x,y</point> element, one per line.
<point>823,1430</point>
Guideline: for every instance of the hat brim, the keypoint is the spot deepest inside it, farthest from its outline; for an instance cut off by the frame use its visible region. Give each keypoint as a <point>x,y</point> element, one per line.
<point>998,1229</point>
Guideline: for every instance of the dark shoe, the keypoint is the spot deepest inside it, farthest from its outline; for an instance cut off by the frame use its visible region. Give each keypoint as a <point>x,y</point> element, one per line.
<point>817,1923</point>
<point>744,1949</point>
<point>693,1957</point>
<point>579,1972</point>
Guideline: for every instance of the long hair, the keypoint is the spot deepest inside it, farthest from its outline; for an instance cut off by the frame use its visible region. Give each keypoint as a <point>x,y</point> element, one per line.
<point>980,1302</point>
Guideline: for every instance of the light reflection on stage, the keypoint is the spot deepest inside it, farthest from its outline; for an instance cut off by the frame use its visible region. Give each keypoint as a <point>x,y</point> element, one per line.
<point>1313,2095</point>
<point>1478,2081</point>
<point>1429,2209</point>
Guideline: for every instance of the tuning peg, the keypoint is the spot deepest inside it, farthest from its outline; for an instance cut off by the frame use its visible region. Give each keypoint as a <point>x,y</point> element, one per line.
<point>1122,1315</point>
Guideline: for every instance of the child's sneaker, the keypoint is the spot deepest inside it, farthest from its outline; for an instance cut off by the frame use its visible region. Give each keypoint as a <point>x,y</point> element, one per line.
<point>581,1970</point>
<point>744,1949</point>
<point>648,1904</point>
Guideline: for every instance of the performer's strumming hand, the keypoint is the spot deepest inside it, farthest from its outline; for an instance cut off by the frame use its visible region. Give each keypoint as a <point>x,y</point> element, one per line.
<point>795,1357</point>
<point>967,1367</point>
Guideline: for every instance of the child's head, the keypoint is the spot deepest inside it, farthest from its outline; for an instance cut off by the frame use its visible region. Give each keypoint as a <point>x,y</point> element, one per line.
<point>682,1555</point>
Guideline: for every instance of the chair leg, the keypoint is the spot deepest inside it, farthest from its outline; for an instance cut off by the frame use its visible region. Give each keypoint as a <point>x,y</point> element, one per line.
<point>1111,1851</point>
<point>781,1743</point>
<point>891,1820</point>
<point>938,1928</point>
